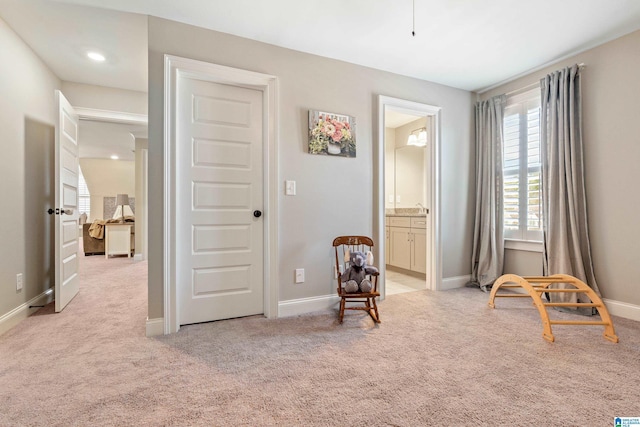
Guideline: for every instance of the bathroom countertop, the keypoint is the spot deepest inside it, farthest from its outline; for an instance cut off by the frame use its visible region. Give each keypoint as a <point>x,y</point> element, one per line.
<point>409,214</point>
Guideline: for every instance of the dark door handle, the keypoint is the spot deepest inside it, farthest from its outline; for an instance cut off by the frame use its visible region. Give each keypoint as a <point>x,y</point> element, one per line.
<point>257,214</point>
<point>59,211</point>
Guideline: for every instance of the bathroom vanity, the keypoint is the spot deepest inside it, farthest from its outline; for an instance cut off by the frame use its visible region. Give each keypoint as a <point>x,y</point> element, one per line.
<point>406,241</point>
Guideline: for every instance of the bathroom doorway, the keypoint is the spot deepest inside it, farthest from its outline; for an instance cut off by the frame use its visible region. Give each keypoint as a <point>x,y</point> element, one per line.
<point>407,213</point>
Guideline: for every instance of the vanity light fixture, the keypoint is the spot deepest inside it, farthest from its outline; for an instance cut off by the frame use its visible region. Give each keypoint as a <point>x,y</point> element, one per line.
<point>419,140</point>
<point>98,57</point>
<point>114,157</point>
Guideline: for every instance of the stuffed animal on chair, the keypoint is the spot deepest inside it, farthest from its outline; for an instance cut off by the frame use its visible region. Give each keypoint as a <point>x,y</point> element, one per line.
<point>355,276</point>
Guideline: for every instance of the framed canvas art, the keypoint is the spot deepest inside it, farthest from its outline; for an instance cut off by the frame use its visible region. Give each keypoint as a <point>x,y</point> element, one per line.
<point>332,134</point>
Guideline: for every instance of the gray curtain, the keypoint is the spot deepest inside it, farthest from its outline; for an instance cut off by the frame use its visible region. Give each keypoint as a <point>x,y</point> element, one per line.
<point>566,236</point>
<point>488,243</point>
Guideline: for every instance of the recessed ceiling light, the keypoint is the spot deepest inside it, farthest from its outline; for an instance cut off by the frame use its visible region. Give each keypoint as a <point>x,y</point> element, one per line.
<point>114,157</point>
<point>96,56</point>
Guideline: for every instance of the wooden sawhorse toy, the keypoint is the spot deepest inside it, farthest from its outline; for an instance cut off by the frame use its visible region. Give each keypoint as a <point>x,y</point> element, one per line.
<point>535,286</point>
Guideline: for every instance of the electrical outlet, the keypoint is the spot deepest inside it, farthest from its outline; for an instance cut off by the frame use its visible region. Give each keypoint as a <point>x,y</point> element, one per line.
<point>19,282</point>
<point>299,275</point>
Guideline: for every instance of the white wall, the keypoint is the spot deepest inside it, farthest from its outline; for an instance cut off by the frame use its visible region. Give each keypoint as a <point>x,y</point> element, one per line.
<point>27,118</point>
<point>334,194</point>
<point>611,129</point>
<point>107,178</point>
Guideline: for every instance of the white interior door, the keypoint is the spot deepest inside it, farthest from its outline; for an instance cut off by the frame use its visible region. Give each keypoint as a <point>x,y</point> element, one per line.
<point>66,196</point>
<point>219,199</point>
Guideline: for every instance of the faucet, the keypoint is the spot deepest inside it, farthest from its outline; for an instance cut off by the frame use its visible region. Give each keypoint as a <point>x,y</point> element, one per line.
<point>421,209</point>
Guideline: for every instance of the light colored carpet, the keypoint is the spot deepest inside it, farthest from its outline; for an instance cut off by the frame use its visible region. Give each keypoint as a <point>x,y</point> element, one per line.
<point>438,358</point>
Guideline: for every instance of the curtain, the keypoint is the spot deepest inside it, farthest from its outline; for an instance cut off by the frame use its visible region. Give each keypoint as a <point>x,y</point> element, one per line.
<point>566,237</point>
<point>488,243</point>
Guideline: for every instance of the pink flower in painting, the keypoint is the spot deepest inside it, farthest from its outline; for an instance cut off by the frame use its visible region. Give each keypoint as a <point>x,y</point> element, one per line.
<point>329,129</point>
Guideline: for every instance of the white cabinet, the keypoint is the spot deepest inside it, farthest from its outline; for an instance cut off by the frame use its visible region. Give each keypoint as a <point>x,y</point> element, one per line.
<point>117,239</point>
<point>407,244</point>
<point>400,247</point>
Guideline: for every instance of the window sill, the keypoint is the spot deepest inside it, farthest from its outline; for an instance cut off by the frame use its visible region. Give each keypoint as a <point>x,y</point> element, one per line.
<point>523,245</point>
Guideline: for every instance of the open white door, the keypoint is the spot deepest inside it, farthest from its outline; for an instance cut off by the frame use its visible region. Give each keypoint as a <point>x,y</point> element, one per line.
<point>66,212</point>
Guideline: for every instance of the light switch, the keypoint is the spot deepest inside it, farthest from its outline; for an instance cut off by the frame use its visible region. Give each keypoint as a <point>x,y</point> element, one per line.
<point>290,188</point>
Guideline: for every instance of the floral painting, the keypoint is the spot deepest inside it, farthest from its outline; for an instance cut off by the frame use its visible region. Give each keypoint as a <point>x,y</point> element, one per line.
<point>332,134</point>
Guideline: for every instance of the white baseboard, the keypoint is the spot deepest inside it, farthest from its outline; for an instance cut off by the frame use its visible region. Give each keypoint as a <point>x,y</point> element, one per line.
<point>622,309</point>
<point>155,327</point>
<point>18,314</point>
<point>293,307</point>
<point>454,282</point>
<point>137,257</point>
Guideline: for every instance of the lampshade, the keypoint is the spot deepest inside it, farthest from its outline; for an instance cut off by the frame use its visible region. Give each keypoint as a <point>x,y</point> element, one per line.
<point>422,138</point>
<point>122,199</point>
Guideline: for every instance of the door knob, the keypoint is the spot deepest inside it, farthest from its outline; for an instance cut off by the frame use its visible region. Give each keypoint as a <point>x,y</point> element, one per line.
<point>257,214</point>
<point>59,211</point>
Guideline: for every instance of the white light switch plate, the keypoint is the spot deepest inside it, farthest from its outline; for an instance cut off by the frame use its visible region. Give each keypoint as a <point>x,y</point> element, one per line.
<point>299,275</point>
<point>290,188</point>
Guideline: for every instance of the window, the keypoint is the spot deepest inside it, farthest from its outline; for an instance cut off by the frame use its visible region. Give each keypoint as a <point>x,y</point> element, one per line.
<point>521,157</point>
<point>84,197</point>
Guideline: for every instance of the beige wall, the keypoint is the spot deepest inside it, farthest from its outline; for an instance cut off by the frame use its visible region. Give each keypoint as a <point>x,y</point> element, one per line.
<point>142,149</point>
<point>105,98</point>
<point>309,221</point>
<point>106,178</point>
<point>389,167</point>
<point>27,118</point>
<point>611,93</point>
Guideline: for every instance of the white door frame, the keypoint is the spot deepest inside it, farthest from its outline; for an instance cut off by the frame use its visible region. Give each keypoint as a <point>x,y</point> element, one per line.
<point>109,116</point>
<point>434,246</point>
<point>174,67</point>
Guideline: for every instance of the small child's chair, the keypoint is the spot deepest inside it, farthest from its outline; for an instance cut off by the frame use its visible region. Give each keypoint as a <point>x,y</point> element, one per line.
<point>342,244</point>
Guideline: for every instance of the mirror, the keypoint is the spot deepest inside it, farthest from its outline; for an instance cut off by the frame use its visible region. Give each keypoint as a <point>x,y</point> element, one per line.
<point>405,165</point>
<point>409,177</point>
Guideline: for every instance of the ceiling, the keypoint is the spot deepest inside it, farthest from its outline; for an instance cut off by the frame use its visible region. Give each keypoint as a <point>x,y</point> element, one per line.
<point>394,119</point>
<point>467,44</point>
<point>101,140</point>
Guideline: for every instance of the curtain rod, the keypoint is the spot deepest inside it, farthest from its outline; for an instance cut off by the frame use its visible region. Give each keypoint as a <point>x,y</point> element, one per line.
<point>533,85</point>
<point>517,76</point>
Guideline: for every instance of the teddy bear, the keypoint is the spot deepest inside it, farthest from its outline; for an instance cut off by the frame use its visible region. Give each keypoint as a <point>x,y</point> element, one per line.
<point>354,277</point>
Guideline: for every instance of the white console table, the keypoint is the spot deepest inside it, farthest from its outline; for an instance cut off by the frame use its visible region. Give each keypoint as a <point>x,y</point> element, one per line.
<point>117,239</point>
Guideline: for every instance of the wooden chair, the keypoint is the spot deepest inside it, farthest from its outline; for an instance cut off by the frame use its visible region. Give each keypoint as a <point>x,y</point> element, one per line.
<point>355,243</point>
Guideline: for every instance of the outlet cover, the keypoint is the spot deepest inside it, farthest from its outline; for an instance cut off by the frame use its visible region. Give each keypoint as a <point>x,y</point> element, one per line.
<point>19,282</point>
